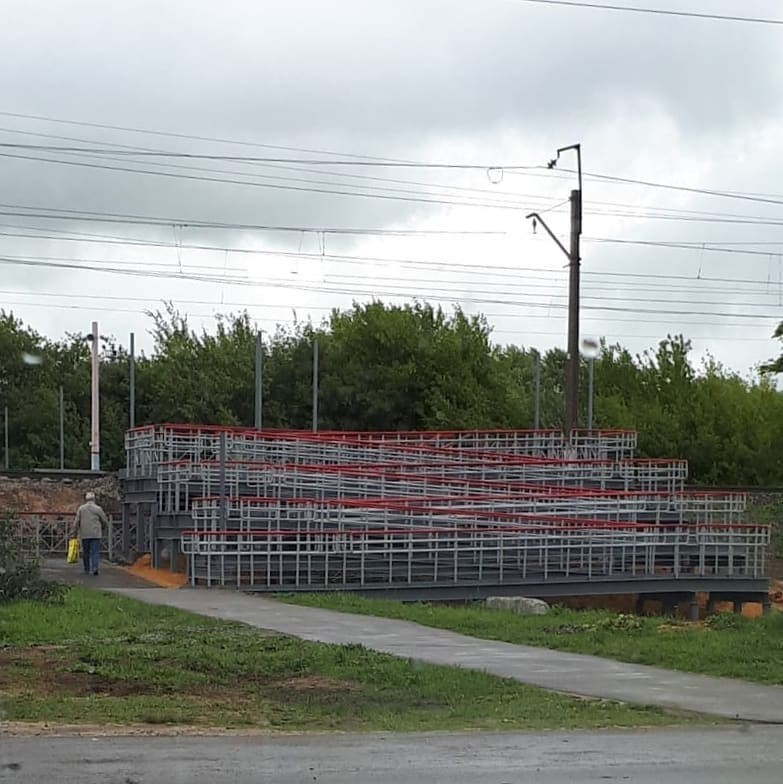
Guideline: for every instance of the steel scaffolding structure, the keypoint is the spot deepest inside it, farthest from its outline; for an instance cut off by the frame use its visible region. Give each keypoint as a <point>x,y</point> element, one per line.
<point>278,510</point>
<point>46,534</point>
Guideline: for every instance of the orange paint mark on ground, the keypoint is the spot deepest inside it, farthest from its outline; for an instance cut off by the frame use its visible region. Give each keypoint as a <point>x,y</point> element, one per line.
<point>163,577</point>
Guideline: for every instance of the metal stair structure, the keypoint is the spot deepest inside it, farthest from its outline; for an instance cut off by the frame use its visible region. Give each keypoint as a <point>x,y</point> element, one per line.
<point>442,514</point>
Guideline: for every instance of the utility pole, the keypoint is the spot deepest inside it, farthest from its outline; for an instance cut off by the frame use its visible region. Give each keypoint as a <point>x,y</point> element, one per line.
<point>574,261</point>
<point>62,429</point>
<point>315,386</point>
<point>132,380</point>
<point>590,388</point>
<point>259,396</point>
<point>537,385</point>
<point>95,440</point>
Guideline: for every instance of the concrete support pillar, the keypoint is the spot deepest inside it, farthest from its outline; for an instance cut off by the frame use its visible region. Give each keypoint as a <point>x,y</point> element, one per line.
<point>710,605</point>
<point>640,604</point>
<point>139,529</point>
<point>693,607</point>
<point>126,542</point>
<point>766,605</point>
<point>738,606</point>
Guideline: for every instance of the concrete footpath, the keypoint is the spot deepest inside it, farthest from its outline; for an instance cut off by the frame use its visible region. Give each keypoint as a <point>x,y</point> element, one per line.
<point>571,673</point>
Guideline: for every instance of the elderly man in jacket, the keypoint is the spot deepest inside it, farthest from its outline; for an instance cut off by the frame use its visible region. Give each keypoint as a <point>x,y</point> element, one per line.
<point>88,526</point>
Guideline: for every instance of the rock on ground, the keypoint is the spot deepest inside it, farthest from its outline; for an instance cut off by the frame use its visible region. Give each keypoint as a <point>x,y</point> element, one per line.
<point>523,605</point>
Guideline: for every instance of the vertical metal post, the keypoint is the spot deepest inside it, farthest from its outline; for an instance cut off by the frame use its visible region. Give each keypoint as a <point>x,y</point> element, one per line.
<point>95,440</point>
<point>132,381</point>
<point>259,396</point>
<point>62,429</point>
<point>222,482</point>
<point>537,385</point>
<point>572,372</point>
<point>590,375</point>
<point>5,436</point>
<point>315,386</point>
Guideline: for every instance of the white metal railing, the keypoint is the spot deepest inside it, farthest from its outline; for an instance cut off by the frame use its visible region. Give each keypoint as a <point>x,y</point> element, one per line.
<point>442,555</point>
<point>149,446</point>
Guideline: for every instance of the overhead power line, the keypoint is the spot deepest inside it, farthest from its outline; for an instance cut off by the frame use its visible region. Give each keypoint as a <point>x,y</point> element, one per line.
<point>121,151</point>
<point>274,186</point>
<point>460,189</point>
<point>270,320</point>
<point>354,290</point>
<point>258,159</point>
<point>658,11</point>
<point>506,279</point>
<point>54,213</point>
<point>388,196</point>
<point>342,174</point>
<point>518,170</point>
<point>497,270</point>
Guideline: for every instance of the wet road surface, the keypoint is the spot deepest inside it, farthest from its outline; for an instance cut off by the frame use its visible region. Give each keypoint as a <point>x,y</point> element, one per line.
<point>746,755</point>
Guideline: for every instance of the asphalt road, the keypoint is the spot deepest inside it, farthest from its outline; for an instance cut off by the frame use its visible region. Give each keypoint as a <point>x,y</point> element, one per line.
<point>752,755</point>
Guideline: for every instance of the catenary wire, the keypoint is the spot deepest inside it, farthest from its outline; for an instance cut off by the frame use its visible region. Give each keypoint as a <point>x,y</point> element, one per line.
<point>704,15</point>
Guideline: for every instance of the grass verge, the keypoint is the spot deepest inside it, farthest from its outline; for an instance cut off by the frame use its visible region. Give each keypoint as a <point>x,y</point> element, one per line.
<point>728,645</point>
<point>101,658</point>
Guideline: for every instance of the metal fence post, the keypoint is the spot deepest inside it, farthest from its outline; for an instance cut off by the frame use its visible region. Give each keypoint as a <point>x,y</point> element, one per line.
<point>222,481</point>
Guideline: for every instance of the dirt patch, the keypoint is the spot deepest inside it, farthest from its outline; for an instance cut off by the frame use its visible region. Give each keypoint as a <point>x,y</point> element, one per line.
<point>59,496</point>
<point>44,671</point>
<point>311,683</point>
<point>53,729</point>
<point>673,628</point>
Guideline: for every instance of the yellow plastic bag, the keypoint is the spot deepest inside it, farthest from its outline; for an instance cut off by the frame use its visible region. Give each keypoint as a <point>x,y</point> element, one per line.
<point>73,551</point>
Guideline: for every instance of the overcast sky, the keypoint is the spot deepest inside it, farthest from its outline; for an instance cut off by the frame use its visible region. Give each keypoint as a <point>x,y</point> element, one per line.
<point>502,83</point>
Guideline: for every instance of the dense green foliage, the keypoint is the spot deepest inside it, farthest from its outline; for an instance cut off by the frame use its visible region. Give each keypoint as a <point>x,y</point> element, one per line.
<point>384,367</point>
<point>20,573</point>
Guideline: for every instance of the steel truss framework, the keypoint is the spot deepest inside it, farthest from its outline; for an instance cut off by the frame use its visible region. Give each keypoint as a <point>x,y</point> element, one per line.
<point>46,534</point>
<point>281,510</point>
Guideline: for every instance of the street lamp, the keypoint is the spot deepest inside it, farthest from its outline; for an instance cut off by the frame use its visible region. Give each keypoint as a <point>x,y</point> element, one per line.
<point>591,349</point>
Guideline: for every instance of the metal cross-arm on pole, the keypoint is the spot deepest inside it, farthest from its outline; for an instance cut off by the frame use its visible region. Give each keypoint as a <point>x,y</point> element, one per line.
<point>538,219</point>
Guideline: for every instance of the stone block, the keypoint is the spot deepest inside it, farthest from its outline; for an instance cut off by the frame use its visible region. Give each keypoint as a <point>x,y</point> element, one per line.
<point>523,605</point>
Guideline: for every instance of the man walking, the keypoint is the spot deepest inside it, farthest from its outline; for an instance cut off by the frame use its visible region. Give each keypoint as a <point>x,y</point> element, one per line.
<point>88,526</point>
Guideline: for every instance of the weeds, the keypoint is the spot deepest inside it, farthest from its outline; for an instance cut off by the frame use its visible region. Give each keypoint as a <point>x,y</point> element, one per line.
<point>20,573</point>
<point>103,658</point>
<point>728,645</point>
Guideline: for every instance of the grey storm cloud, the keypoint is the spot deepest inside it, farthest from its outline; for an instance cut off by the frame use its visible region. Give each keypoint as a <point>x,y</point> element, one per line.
<point>495,81</point>
<point>402,70</point>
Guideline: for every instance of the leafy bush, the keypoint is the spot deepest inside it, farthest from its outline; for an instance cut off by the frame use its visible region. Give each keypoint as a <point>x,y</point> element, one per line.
<point>727,621</point>
<point>20,573</point>
<point>622,622</point>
